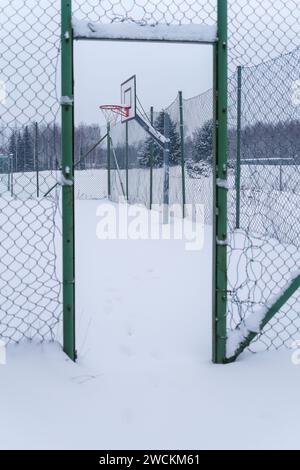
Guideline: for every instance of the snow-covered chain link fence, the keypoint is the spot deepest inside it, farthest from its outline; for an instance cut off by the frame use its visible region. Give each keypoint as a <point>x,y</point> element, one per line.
<point>263,202</point>
<point>264,196</point>
<point>263,238</point>
<point>147,12</point>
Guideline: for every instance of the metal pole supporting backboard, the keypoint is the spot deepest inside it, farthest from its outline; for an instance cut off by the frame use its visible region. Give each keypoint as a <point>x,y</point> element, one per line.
<point>127,158</point>
<point>108,161</point>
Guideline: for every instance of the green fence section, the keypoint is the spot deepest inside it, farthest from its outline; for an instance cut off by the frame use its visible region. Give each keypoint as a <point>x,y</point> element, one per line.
<point>264,196</point>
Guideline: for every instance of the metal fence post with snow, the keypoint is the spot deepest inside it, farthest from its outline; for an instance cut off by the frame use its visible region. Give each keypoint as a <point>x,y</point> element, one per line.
<point>220,190</point>
<point>67,104</point>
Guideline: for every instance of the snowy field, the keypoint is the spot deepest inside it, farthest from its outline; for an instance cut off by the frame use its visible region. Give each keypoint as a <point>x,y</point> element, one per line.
<point>270,198</point>
<point>144,377</point>
<point>270,201</point>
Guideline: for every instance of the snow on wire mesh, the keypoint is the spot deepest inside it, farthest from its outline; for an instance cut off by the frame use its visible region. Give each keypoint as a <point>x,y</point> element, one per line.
<point>264,234</point>
<point>147,12</point>
<point>135,32</point>
<point>264,38</point>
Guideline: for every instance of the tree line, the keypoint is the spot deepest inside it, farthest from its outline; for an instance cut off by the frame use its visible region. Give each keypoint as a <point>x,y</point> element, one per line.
<point>33,147</point>
<point>38,146</point>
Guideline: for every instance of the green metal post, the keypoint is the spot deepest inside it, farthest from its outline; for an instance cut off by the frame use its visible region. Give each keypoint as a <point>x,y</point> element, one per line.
<point>9,172</point>
<point>126,158</point>
<point>238,149</point>
<point>12,174</point>
<point>67,77</point>
<point>36,158</point>
<point>182,153</point>
<point>108,161</point>
<point>151,159</point>
<point>220,189</point>
<point>166,192</point>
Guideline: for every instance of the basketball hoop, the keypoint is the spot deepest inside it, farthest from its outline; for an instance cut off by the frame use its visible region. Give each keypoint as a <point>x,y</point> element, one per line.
<point>113,112</point>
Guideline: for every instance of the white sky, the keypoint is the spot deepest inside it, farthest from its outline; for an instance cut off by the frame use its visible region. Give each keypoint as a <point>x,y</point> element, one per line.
<point>161,69</point>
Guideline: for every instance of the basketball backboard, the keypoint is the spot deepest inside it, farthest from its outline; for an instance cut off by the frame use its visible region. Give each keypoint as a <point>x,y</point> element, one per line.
<point>128,98</point>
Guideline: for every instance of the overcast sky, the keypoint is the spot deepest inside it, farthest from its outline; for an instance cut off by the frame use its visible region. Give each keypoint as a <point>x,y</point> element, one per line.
<point>161,69</point>
<point>258,31</point>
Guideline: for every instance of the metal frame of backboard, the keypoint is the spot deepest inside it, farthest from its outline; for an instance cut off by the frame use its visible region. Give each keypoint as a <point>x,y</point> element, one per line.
<point>129,88</point>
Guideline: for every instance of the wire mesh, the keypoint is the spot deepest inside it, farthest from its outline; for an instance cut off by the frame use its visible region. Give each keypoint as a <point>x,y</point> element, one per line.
<point>90,162</point>
<point>147,12</point>
<point>30,304</point>
<point>5,169</point>
<point>264,38</point>
<point>198,120</point>
<point>138,169</point>
<point>264,238</point>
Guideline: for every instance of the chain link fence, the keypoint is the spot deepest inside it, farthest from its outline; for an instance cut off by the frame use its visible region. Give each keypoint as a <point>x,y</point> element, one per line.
<point>5,173</point>
<point>90,162</point>
<point>263,163</point>
<point>264,195</point>
<point>30,302</point>
<point>136,162</point>
<point>263,156</point>
<point>147,12</point>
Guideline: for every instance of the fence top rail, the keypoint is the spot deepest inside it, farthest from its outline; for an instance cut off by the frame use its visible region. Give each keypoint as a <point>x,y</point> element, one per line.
<point>268,161</point>
<point>185,33</point>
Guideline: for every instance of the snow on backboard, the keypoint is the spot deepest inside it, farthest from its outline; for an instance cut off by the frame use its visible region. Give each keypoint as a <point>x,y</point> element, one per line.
<point>128,97</point>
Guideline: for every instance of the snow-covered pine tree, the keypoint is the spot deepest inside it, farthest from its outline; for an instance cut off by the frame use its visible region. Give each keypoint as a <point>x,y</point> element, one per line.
<point>202,152</point>
<point>158,157</point>
<point>203,143</point>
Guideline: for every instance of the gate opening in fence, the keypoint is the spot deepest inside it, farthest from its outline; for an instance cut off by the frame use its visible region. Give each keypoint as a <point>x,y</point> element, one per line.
<point>158,151</point>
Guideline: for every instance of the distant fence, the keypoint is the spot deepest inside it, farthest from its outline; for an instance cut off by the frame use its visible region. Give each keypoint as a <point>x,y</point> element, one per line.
<point>264,153</point>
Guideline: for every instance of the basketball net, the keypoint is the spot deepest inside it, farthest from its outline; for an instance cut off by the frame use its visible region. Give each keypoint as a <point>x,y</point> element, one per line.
<point>113,112</point>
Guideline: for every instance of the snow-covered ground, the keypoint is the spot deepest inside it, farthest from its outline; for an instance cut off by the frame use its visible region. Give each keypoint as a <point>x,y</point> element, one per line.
<point>144,377</point>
